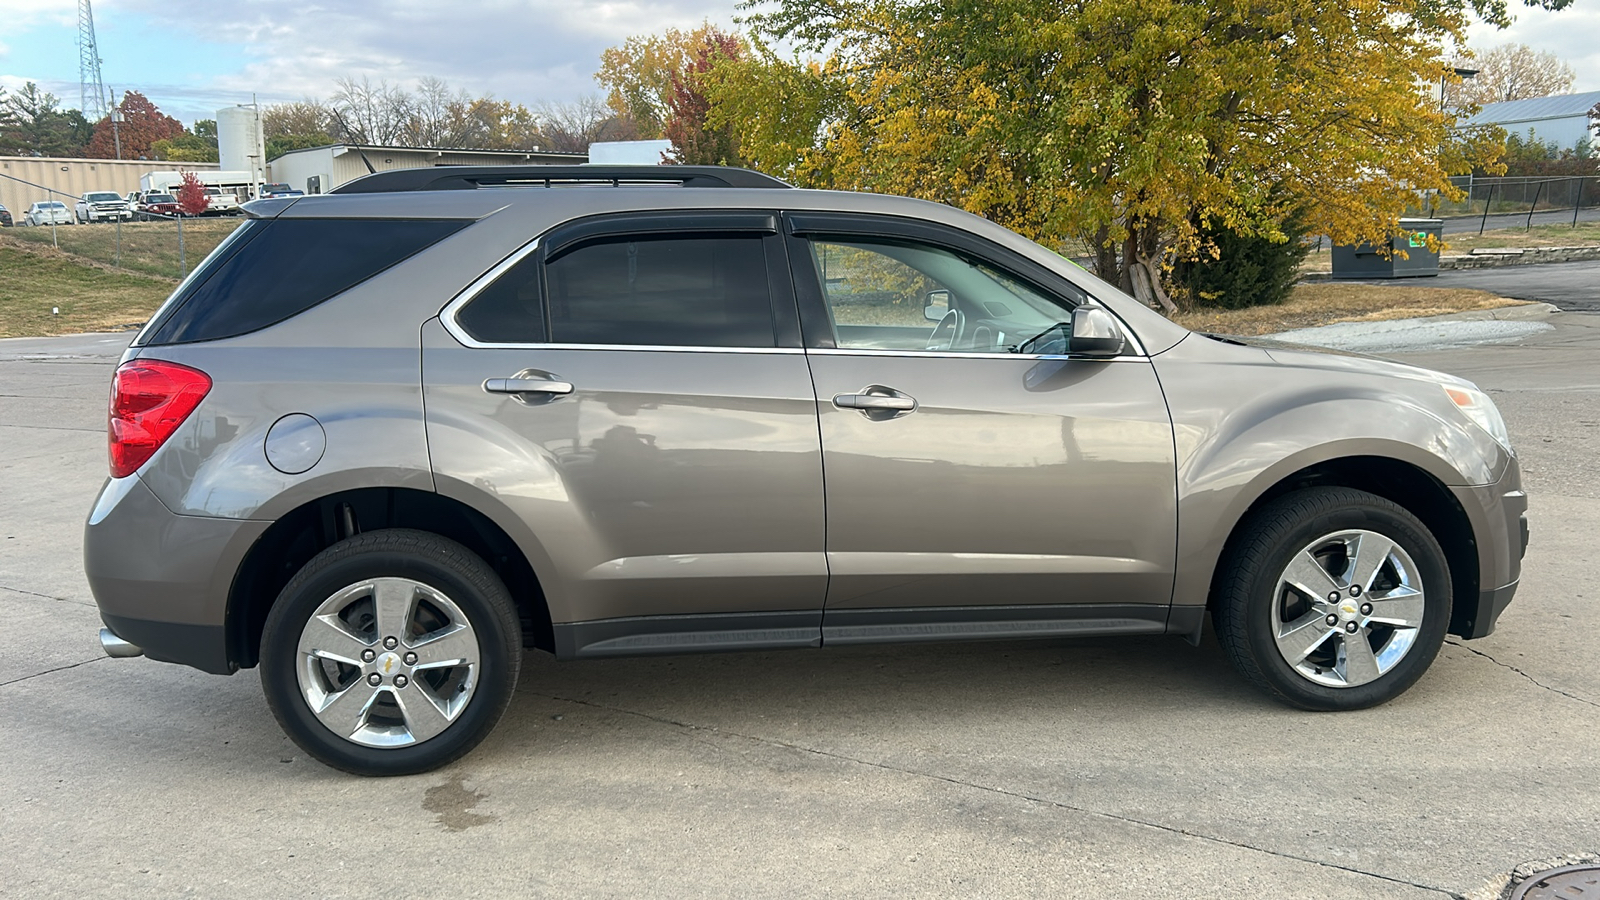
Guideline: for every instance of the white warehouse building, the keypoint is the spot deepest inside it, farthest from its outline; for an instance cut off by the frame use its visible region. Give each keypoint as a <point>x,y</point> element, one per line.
<point>318,170</point>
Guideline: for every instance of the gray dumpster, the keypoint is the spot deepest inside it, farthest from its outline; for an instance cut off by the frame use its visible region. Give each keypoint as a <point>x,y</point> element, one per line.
<point>1365,260</point>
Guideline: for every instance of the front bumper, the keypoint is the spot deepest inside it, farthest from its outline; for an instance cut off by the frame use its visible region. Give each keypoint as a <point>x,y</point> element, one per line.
<point>1498,513</point>
<point>162,580</point>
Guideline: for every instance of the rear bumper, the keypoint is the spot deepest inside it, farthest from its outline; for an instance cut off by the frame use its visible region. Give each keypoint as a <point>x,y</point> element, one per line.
<point>162,580</point>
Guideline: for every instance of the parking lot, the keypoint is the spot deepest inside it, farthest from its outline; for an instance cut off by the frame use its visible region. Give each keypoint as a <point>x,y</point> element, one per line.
<point>1110,768</point>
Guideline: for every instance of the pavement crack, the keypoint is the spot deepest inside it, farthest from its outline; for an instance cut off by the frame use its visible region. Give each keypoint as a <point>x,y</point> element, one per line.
<point>1017,795</point>
<point>16,590</point>
<point>56,669</point>
<point>1536,682</point>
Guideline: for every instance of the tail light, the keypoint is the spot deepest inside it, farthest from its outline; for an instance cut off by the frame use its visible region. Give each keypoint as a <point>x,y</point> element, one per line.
<point>149,400</point>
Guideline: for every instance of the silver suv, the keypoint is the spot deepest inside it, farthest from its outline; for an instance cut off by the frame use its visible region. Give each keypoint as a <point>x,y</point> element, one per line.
<point>384,439</point>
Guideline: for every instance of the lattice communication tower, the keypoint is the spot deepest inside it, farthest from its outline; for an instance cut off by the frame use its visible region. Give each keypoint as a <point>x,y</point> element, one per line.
<point>93,90</point>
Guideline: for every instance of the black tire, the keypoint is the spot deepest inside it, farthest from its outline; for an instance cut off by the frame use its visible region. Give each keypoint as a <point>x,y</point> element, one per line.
<point>435,562</point>
<point>1247,587</point>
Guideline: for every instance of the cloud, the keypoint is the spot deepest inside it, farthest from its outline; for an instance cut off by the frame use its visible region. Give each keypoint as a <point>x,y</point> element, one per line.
<point>1573,34</point>
<point>524,51</point>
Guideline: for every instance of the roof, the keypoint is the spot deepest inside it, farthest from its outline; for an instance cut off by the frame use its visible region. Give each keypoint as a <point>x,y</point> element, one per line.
<point>1536,109</point>
<point>477,151</point>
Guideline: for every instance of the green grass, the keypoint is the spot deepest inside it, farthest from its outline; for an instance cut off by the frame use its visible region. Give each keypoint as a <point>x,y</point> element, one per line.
<point>90,298</point>
<point>147,247</point>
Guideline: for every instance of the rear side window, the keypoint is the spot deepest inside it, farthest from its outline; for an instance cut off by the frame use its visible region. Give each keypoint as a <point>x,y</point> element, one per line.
<point>284,267</point>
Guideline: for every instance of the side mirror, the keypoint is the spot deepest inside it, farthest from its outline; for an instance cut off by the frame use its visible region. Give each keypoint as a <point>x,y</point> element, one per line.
<point>935,304</point>
<point>1095,332</point>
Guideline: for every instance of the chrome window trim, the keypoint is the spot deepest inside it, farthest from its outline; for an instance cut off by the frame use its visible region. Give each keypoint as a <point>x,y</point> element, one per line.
<point>946,354</point>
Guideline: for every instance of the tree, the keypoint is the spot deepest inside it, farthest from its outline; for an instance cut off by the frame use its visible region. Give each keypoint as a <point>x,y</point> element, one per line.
<point>300,117</point>
<point>1511,72</point>
<point>192,197</point>
<point>572,127</point>
<point>695,141</point>
<point>280,144</point>
<point>1137,125</point>
<point>638,76</point>
<point>185,148</point>
<point>141,127</point>
<point>33,123</point>
<point>1238,271</point>
<point>367,113</point>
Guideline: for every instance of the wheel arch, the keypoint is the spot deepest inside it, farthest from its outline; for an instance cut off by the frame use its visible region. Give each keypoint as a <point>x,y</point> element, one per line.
<point>308,529</point>
<point>1405,483</point>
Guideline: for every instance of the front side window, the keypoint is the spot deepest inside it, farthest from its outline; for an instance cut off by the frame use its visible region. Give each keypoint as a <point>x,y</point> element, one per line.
<point>678,291</point>
<point>894,295</point>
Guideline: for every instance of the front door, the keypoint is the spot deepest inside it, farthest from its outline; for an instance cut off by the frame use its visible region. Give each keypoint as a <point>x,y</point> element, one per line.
<point>980,481</point>
<point>624,402</point>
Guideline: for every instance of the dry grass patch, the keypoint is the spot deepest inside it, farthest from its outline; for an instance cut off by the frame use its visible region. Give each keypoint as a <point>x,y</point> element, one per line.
<point>90,298</point>
<point>150,248</point>
<point>1325,304</point>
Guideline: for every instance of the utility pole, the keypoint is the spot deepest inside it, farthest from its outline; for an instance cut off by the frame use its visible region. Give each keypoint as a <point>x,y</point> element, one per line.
<point>116,124</point>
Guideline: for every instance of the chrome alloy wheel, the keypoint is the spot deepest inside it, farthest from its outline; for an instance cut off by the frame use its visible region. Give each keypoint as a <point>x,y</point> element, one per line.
<point>1347,608</point>
<point>387,662</point>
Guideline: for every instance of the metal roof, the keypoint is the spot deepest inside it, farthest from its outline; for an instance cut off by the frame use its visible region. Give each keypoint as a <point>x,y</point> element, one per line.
<point>1536,109</point>
<point>389,148</point>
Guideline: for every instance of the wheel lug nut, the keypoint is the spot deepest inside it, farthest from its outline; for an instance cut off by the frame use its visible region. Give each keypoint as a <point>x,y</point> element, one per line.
<point>1333,619</point>
<point>1355,590</point>
<point>368,656</point>
<point>1333,596</point>
<point>374,679</point>
<point>1366,609</point>
<point>411,659</point>
<point>390,643</point>
<point>1351,627</point>
<point>400,681</point>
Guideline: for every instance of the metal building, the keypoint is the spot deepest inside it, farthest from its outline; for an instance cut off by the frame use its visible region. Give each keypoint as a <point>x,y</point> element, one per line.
<point>317,170</point>
<point>1563,118</point>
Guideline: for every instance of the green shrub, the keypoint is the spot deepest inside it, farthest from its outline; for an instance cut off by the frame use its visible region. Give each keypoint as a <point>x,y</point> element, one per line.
<point>1248,270</point>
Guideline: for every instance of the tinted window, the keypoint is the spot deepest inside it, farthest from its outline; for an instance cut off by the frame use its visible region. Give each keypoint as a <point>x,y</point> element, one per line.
<point>694,291</point>
<point>508,311</point>
<point>285,267</point>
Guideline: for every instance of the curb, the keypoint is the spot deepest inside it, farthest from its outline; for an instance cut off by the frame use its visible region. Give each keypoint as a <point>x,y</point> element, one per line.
<point>1446,331</point>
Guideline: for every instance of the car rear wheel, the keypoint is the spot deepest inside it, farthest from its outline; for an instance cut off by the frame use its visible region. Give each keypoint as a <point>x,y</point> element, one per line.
<point>391,653</point>
<point>1333,599</point>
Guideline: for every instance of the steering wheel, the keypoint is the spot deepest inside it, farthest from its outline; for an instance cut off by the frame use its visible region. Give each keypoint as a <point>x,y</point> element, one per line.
<point>945,334</point>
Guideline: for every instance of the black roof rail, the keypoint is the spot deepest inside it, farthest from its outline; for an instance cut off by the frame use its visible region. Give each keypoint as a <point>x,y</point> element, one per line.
<point>466,178</point>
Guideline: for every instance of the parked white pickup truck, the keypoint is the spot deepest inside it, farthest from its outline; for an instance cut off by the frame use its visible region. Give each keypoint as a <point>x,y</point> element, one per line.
<point>223,203</point>
<point>102,206</point>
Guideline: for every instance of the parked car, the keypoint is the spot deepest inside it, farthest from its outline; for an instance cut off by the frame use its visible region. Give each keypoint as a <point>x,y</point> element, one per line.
<point>154,206</point>
<point>270,190</point>
<point>47,212</point>
<point>5,217</point>
<point>102,206</point>
<point>619,420</point>
<point>223,203</point>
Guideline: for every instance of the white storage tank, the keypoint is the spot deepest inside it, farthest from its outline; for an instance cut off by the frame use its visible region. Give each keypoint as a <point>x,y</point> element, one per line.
<point>239,138</point>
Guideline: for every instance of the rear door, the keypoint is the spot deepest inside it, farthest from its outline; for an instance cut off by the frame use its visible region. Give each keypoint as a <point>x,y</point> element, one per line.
<point>980,480</point>
<point>630,400</point>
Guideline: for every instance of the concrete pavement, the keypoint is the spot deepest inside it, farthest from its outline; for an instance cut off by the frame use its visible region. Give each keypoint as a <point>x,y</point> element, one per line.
<point>1108,768</point>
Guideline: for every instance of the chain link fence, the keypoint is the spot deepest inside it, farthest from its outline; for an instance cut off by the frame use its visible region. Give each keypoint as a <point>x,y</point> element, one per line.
<point>1525,200</point>
<point>149,243</point>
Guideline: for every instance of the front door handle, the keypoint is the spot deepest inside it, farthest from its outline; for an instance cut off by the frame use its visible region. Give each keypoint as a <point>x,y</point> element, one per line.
<point>877,402</point>
<point>527,386</point>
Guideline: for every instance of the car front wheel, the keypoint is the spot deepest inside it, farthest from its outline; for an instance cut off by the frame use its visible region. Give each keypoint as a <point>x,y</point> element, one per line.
<point>1333,599</point>
<point>391,653</point>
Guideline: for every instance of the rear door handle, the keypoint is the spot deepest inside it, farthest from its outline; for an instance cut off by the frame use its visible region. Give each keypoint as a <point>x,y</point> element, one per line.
<point>873,401</point>
<point>526,386</point>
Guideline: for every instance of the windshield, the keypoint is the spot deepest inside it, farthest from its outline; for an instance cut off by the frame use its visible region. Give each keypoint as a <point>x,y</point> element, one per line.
<point>103,197</point>
<point>53,204</point>
<point>160,198</point>
<point>274,188</point>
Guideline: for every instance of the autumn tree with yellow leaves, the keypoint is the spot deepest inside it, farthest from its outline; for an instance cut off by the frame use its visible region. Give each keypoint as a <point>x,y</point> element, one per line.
<point>1138,126</point>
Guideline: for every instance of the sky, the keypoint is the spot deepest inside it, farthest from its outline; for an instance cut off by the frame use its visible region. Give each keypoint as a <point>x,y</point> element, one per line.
<point>192,57</point>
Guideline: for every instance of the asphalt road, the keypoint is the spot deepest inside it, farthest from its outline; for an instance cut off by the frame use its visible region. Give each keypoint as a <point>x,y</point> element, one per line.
<point>1112,768</point>
<point>1571,286</point>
